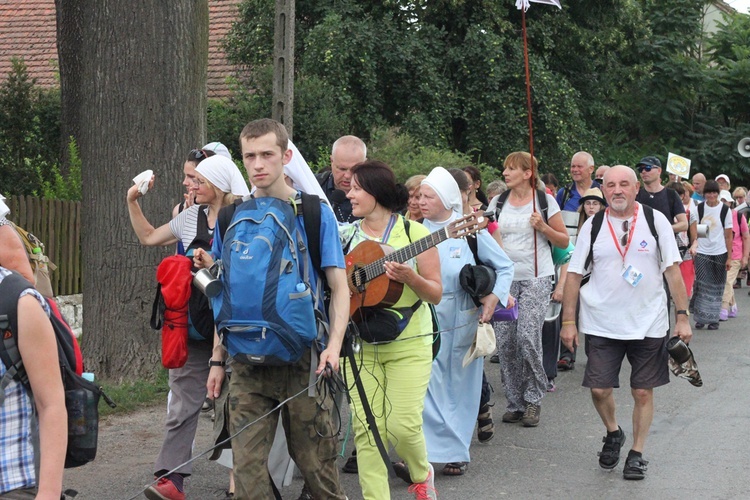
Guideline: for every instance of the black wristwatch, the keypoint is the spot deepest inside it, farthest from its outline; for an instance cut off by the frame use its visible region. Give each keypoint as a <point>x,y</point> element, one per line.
<point>211,363</point>
<point>682,311</point>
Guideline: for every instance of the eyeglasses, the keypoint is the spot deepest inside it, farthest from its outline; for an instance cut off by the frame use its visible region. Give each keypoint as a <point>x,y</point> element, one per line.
<point>626,229</point>
<point>198,182</point>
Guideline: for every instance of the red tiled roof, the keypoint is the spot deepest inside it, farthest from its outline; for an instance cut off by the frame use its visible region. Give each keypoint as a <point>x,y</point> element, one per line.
<point>221,15</point>
<point>27,31</point>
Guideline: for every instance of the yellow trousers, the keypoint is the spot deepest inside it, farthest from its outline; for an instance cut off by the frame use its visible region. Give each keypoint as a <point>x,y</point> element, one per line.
<point>395,380</point>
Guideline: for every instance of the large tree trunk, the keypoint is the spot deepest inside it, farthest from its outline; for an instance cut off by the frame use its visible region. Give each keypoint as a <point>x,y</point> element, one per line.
<point>134,91</point>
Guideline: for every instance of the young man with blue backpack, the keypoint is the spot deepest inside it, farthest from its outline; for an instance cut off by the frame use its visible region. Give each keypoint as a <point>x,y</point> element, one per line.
<point>266,319</point>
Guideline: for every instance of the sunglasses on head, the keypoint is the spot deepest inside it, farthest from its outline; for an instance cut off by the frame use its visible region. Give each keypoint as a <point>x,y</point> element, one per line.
<point>647,168</point>
<point>198,154</point>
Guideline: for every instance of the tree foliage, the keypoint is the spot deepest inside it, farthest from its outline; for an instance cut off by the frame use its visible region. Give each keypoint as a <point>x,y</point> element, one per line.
<point>618,78</point>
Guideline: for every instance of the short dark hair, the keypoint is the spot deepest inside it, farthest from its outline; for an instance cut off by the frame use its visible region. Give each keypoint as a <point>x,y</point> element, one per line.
<point>460,176</point>
<point>378,180</point>
<point>677,186</point>
<point>259,128</point>
<point>550,179</point>
<point>711,187</point>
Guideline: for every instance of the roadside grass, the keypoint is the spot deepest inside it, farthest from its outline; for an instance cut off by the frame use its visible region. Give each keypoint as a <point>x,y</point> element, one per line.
<point>131,396</point>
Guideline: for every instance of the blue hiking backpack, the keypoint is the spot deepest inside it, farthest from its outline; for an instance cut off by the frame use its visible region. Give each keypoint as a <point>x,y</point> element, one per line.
<point>266,311</point>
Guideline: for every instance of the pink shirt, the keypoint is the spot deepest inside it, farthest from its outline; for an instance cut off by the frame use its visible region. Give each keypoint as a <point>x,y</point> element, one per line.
<point>737,236</point>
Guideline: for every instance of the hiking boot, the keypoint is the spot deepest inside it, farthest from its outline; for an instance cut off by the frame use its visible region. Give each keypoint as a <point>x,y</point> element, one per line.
<point>609,457</point>
<point>700,326</point>
<point>495,358</point>
<point>531,415</point>
<point>635,468</point>
<point>165,489</point>
<point>723,315</point>
<point>713,326</point>
<point>425,490</point>
<point>511,417</point>
<point>350,467</point>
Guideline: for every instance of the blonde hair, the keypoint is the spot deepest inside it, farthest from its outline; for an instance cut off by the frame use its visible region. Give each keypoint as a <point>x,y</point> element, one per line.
<point>414,181</point>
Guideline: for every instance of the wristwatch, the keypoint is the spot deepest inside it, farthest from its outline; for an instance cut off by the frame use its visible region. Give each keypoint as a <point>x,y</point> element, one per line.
<point>682,311</point>
<point>211,363</point>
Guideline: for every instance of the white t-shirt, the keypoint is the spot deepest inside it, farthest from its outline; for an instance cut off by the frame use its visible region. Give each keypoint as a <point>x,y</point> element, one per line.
<point>714,243</point>
<point>518,239</point>
<point>610,306</point>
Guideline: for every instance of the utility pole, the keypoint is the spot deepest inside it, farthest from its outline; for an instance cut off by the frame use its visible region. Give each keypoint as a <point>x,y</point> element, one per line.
<point>283,70</point>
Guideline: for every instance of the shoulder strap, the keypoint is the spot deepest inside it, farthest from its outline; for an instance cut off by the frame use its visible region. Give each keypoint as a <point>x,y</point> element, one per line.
<point>596,225</point>
<point>225,217</point>
<point>406,228</point>
<point>501,199</point>
<point>724,211</point>
<point>649,213</point>
<point>566,194</point>
<point>10,290</point>
<point>700,212</point>
<point>311,218</point>
<point>541,197</point>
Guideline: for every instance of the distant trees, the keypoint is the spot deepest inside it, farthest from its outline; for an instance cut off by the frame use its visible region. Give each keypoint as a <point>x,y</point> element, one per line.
<point>620,78</point>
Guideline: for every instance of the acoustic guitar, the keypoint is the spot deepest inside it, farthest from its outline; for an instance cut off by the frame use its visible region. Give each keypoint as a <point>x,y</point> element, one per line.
<point>365,270</point>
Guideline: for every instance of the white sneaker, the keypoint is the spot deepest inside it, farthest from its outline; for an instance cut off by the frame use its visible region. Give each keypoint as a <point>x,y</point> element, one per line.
<point>425,490</point>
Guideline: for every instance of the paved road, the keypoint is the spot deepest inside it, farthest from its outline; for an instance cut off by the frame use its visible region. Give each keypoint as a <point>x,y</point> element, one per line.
<point>698,447</point>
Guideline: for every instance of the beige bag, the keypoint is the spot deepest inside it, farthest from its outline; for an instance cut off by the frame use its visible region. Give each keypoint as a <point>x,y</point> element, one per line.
<point>484,344</point>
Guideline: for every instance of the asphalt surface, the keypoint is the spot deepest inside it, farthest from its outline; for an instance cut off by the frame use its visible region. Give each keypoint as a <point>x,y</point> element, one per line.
<point>697,448</point>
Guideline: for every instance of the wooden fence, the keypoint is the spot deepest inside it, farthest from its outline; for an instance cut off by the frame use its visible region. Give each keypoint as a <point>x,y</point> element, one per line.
<point>58,225</point>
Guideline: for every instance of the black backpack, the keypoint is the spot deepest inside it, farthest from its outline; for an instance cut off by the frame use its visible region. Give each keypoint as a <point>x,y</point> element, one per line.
<point>723,216</point>
<point>81,396</point>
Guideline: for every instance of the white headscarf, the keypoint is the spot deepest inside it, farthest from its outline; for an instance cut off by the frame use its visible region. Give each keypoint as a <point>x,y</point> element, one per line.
<point>302,177</point>
<point>218,148</point>
<point>442,182</point>
<point>224,174</point>
<point>4,210</point>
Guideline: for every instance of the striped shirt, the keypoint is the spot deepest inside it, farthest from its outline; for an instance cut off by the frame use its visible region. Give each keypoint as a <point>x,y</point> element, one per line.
<point>16,448</point>
<point>184,227</point>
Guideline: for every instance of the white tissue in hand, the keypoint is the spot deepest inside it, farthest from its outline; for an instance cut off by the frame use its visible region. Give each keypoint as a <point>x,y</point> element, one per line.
<point>142,180</point>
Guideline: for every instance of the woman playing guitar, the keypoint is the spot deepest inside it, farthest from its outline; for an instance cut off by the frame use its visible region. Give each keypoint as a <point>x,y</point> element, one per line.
<point>395,375</point>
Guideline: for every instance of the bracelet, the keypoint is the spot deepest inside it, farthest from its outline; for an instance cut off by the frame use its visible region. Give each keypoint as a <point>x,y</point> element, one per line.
<point>568,323</point>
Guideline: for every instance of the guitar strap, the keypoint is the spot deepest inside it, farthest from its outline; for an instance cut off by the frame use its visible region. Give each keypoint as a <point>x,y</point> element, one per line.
<point>369,417</point>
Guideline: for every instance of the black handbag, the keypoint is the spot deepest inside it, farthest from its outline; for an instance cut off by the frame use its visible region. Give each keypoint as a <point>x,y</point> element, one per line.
<point>383,324</point>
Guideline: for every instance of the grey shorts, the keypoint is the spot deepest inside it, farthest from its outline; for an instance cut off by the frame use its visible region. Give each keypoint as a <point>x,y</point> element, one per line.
<point>648,359</point>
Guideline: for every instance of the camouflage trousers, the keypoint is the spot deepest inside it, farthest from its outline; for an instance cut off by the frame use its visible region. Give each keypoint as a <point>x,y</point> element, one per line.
<point>311,438</point>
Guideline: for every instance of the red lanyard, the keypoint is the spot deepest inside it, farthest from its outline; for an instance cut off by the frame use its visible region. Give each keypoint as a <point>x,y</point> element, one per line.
<point>630,234</point>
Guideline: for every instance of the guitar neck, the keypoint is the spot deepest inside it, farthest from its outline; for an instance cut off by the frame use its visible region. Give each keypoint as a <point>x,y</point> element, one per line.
<point>376,268</point>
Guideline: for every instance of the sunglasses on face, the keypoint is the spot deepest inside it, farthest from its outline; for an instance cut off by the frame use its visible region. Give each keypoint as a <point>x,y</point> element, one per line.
<point>626,228</point>
<point>647,168</point>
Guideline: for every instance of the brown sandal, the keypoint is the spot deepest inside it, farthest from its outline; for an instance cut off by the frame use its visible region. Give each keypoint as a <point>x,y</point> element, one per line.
<point>455,468</point>
<point>485,425</point>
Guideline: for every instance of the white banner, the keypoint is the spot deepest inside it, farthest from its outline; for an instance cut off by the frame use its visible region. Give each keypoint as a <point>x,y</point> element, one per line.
<point>525,4</point>
<point>678,165</point>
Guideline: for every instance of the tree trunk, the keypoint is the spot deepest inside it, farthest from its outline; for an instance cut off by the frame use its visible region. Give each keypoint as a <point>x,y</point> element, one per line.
<point>133,78</point>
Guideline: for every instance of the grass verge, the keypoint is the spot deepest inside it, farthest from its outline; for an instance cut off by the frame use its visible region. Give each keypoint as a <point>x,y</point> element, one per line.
<point>130,396</point>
